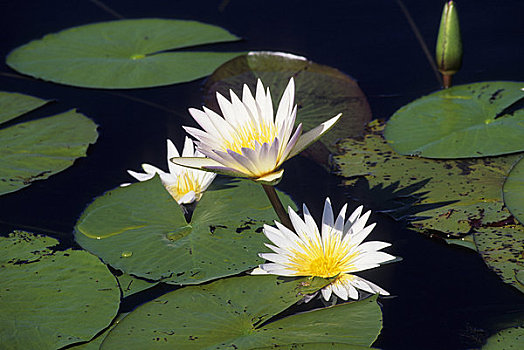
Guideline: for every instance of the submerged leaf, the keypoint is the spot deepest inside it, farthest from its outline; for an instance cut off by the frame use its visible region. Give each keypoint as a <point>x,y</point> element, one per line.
<point>123,54</point>
<point>474,120</point>
<point>321,93</point>
<point>234,313</point>
<point>141,230</point>
<point>44,294</point>
<point>39,148</point>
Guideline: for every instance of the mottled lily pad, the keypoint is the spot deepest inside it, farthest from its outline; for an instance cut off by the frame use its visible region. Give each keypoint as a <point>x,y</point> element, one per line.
<point>50,299</point>
<point>514,191</point>
<point>39,148</point>
<point>94,344</point>
<point>141,230</point>
<point>321,93</point>
<point>502,248</point>
<point>458,195</point>
<point>507,339</point>
<point>474,120</point>
<point>123,54</point>
<point>235,313</point>
<point>130,285</point>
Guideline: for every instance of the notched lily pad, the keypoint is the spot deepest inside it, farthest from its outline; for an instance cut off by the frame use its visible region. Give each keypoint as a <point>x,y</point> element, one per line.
<point>44,294</point>
<point>321,93</point>
<point>465,121</point>
<point>506,339</point>
<point>140,229</point>
<point>130,285</point>
<point>39,148</point>
<point>236,313</point>
<point>123,54</point>
<point>514,191</point>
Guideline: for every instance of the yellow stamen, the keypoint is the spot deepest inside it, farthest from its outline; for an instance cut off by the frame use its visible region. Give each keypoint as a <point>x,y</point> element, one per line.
<point>187,182</point>
<point>248,133</point>
<point>316,260</point>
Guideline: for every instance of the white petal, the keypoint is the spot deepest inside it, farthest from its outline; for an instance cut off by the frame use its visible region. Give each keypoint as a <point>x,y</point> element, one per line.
<point>188,198</point>
<point>171,153</point>
<point>340,290</point>
<point>326,292</point>
<point>140,176</point>
<point>312,135</point>
<point>258,271</point>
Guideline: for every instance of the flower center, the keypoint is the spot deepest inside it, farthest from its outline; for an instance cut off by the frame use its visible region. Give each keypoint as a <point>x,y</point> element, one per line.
<point>321,261</point>
<point>186,182</point>
<point>248,134</point>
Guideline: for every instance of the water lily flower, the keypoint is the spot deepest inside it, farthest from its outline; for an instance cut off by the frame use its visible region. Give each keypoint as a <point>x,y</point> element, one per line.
<point>249,140</point>
<point>185,185</point>
<point>337,252</point>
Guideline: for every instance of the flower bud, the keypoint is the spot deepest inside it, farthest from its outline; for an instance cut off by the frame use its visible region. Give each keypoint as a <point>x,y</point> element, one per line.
<point>449,42</point>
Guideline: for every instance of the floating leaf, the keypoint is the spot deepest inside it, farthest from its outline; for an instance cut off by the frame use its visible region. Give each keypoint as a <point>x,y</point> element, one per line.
<point>37,149</point>
<point>506,339</point>
<point>130,285</point>
<point>45,293</point>
<point>234,313</point>
<point>140,229</point>
<point>502,248</point>
<point>13,104</point>
<point>316,346</point>
<point>514,191</point>
<point>458,195</point>
<point>321,93</point>
<point>94,344</point>
<point>123,54</point>
<point>461,122</point>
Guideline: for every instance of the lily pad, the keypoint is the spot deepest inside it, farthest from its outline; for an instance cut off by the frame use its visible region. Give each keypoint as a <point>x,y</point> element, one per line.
<point>123,54</point>
<point>502,249</point>
<point>37,149</point>
<point>321,93</point>
<point>13,104</point>
<point>459,194</point>
<point>514,191</point>
<point>45,293</point>
<point>130,285</point>
<point>141,230</point>
<point>94,344</point>
<point>507,339</point>
<point>465,121</point>
<point>237,313</point>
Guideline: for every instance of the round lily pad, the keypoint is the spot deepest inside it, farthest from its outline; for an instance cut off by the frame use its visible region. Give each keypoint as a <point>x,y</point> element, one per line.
<point>514,191</point>
<point>123,54</point>
<point>141,230</point>
<point>233,313</point>
<point>50,299</point>
<point>130,285</point>
<point>37,149</point>
<point>321,93</point>
<point>474,120</point>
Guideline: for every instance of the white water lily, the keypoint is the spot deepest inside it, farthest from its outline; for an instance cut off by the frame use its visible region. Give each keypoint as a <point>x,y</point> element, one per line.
<point>336,251</point>
<point>249,140</point>
<point>185,185</point>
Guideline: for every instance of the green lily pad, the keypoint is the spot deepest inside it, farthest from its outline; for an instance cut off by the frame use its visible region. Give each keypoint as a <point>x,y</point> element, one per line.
<point>141,230</point>
<point>514,191</point>
<point>94,344</point>
<point>13,104</point>
<point>502,249</point>
<point>316,346</point>
<point>464,121</point>
<point>130,285</point>
<point>37,149</point>
<point>321,93</point>
<point>507,339</point>
<point>519,275</point>
<point>123,54</point>
<point>236,313</point>
<point>458,195</point>
<point>50,299</point>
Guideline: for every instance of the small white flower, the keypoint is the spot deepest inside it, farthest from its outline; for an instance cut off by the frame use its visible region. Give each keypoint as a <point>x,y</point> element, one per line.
<point>249,140</point>
<point>338,251</point>
<point>185,185</point>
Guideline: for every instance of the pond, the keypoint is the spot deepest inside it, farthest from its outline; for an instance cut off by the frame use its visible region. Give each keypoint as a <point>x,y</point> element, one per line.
<point>443,296</point>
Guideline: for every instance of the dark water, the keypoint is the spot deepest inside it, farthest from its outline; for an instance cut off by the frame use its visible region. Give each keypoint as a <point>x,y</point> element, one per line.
<point>445,297</point>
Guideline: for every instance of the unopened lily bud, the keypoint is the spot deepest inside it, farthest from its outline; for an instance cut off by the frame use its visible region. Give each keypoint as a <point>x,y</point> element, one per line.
<point>449,42</point>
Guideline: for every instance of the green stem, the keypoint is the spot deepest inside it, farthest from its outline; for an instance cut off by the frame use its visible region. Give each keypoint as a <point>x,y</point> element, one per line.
<point>277,205</point>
